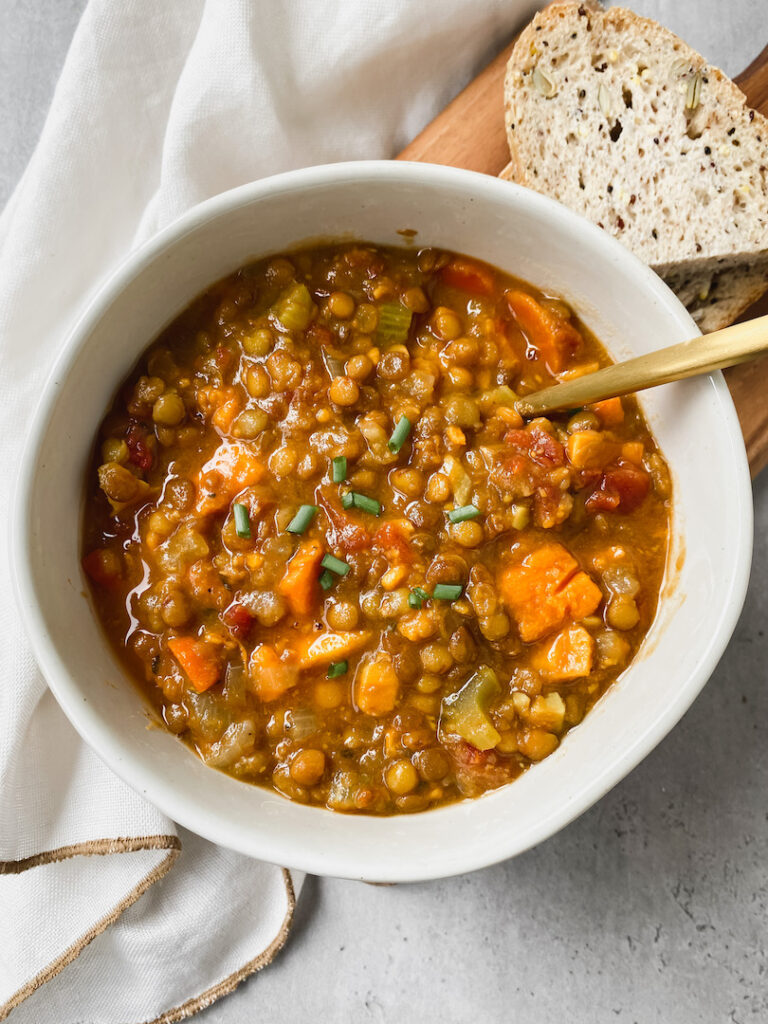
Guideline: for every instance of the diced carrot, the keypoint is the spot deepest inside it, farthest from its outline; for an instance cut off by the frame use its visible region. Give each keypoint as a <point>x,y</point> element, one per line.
<point>610,411</point>
<point>633,451</point>
<point>555,338</point>
<point>589,449</point>
<point>377,686</point>
<point>321,649</point>
<point>270,675</point>
<point>231,468</point>
<point>104,566</point>
<point>545,589</point>
<point>201,661</point>
<point>468,276</point>
<point>299,585</point>
<point>567,656</point>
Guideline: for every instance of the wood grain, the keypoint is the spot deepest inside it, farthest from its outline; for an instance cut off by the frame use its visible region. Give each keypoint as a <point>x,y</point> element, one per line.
<point>470,133</point>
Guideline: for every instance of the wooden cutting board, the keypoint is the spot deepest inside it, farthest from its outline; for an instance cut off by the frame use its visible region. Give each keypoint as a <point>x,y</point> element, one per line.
<point>470,133</point>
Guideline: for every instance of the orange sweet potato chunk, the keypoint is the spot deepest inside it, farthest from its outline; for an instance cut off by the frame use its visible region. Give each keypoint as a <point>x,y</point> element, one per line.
<point>270,675</point>
<point>299,585</point>
<point>377,686</point>
<point>590,449</point>
<point>231,468</point>
<point>568,656</point>
<point>546,589</point>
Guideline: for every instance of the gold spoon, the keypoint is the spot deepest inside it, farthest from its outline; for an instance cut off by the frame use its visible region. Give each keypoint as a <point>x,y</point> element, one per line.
<point>738,343</point>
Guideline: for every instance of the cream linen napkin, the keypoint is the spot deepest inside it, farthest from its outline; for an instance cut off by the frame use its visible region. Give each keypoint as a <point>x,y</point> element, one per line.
<point>161,104</point>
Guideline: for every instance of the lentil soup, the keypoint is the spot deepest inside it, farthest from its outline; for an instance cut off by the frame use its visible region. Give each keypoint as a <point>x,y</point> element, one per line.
<point>332,554</point>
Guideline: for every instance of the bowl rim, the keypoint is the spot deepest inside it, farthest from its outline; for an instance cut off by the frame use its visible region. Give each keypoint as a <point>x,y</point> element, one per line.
<point>162,794</point>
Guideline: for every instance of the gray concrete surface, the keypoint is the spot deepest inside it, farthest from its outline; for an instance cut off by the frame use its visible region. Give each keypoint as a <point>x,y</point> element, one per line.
<point>649,908</point>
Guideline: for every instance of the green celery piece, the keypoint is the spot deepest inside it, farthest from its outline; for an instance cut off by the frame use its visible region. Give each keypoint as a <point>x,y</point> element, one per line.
<point>294,308</point>
<point>394,323</point>
<point>465,713</point>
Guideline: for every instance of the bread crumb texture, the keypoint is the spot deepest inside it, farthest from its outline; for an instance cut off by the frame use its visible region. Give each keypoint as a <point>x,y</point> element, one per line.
<point>618,118</point>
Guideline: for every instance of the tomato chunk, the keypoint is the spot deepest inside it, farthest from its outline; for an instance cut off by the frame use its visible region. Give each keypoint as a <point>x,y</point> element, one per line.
<point>392,540</point>
<point>541,447</point>
<point>139,450</point>
<point>623,488</point>
<point>238,619</point>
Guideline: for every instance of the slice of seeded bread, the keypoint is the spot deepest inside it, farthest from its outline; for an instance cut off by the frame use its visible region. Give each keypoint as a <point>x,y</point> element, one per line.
<point>619,119</point>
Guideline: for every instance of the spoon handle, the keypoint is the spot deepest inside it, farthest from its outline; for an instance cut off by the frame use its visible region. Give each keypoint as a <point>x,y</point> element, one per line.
<point>738,343</point>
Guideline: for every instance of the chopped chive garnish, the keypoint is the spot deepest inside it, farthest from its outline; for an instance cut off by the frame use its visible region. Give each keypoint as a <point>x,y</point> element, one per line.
<point>362,501</point>
<point>302,519</point>
<point>366,504</point>
<point>417,597</point>
<point>335,565</point>
<point>339,469</point>
<point>337,668</point>
<point>447,591</point>
<point>242,521</point>
<point>461,515</point>
<point>327,579</point>
<point>399,434</point>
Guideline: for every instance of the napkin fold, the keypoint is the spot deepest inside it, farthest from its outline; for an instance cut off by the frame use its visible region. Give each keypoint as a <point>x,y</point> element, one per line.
<point>109,912</point>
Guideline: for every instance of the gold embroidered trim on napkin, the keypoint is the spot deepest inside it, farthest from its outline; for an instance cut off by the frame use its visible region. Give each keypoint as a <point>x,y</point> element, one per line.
<point>100,847</point>
<point>230,984</point>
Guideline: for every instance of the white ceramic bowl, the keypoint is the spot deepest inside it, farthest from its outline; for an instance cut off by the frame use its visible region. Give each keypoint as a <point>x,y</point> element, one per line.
<point>629,309</point>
